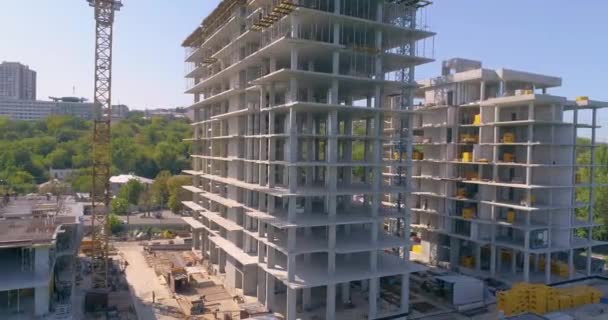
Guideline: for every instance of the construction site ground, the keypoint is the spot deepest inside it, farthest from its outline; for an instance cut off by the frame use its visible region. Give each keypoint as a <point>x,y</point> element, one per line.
<point>143,282</point>
<point>146,275</point>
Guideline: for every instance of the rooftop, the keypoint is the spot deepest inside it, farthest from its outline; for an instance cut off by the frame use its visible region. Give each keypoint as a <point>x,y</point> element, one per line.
<point>124,178</point>
<point>35,220</point>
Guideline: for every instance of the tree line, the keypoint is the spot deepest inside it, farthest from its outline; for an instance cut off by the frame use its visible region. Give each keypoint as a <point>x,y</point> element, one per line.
<point>144,147</point>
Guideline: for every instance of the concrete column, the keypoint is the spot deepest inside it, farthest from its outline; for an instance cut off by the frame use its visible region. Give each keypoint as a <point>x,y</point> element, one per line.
<point>41,261</point>
<point>364,285</point>
<point>373,298</point>
<point>195,239</point>
<point>373,255</point>
<point>571,264</point>
<point>295,26</point>
<point>335,60</point>
<point>41,300</point>
<point>336,31</point>
<point>345,292</point>
<point>493,260</point>
<point>291,304</point>
<point>588,266</point>
<point>547,268</point>
<point>261,288</point>
<point>306,298</point>
<point>333,93</point>
<point>330,304</point>
<point>380,11</point>
<point>291,257</point>
<point>405,293</point>
<point>526,266</point>
<point>331,254</point>
<point>269,291</point>
<point>514,261</point>
<point>478,258</point>
<point>482,91</point>
<point>454,252</point>
<point>294,58</point>
<point>293,149</point>
<point>261,253</point>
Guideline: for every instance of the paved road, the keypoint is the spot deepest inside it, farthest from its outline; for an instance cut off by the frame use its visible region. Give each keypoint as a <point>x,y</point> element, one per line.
<point>143,281</point>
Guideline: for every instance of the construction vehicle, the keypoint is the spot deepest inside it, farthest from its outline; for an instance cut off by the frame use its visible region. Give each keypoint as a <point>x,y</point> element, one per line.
<point>97,297</point>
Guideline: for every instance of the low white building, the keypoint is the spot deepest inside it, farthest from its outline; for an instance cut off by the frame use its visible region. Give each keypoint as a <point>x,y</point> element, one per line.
<point>116,182</point>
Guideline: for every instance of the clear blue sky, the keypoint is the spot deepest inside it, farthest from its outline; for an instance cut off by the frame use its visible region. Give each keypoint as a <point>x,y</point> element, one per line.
<point>55,37</point>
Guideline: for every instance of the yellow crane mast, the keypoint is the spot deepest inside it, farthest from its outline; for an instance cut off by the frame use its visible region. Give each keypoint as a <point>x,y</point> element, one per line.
<point>101,152</point>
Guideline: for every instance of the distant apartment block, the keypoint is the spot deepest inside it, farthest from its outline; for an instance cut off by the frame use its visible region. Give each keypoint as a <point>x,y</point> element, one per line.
<point>496,175</point>
<point>299,107</point>
<point>17,81</point>
<point>37,110</point>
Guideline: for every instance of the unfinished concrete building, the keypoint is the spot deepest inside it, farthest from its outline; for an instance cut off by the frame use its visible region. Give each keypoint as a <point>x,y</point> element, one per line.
<point>37,248</point>
<point>298,111</point>
<point>496,171</point>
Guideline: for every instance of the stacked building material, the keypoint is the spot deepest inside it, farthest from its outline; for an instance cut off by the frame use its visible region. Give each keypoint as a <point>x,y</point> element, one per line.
<point>540,299</point>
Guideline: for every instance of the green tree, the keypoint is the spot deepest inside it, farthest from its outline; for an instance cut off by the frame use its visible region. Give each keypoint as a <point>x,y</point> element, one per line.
<point>160,188</point>
<point>120,206</point>
<point>166,156</point>
<point>177,194</point>
<point>115,223</point>
<point>81,180</point>
<point>131,191</point>
<point>59,159</point>
<point>145,201</point>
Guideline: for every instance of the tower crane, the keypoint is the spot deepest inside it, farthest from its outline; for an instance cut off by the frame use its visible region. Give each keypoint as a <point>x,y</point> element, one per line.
<point>101,152</point>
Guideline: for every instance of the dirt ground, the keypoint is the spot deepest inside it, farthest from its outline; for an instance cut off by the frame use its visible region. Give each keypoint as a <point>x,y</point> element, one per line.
<point>152,298</point>
<point>144,274</point>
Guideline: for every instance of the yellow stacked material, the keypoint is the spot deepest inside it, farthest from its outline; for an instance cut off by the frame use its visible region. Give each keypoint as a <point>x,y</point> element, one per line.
<point>560,268</point>
<point>508,157</point>
<point>537,298</point>
<point>468,138</point>
<point>395,155</point>
<point>582,98</point>
<point>553,303</point>
<point>594,294</point>
<point>509,304</point>
<point>540,299</point>
<point>467,261</point>
<point>552,299</point>
<point>417,248</point>
<point>565,302</point>
<point>477,119</point>
<point>541,263</point>
<point>461,193</point>
<point>508,137</point>
<point>527,92</point>
<point>511,216</point>
<point>468,213</point>
<point>580,295</point>
<point>417,155</point>
<point>467,157</point>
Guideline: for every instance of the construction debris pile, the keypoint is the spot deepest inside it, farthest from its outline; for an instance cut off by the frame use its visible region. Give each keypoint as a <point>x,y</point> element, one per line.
<point>196,292</point>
